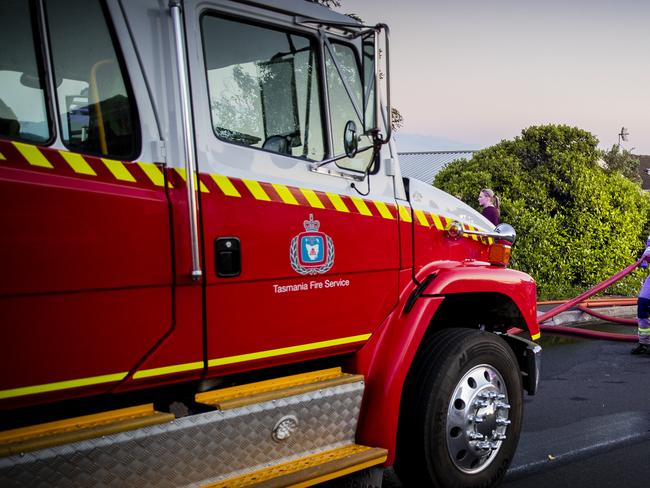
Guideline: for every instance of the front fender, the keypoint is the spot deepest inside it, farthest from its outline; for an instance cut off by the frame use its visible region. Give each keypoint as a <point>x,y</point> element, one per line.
<point>386,358</point>
<point>483,278</point>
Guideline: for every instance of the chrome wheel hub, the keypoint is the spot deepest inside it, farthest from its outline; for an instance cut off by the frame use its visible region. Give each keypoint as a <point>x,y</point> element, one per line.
<point>477,418</point>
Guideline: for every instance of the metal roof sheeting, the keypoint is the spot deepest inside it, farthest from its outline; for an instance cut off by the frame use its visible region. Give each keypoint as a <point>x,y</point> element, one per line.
<point>424,166</point>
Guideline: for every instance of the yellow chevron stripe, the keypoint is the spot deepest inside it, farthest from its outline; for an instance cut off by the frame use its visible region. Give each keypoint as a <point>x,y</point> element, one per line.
<point>177,368</point>
<point>33,155</point>
<point>436,221</point>
<point>61,385</point>
<point>536,336</point>
<point>473,236</point>
<point>404,213</point>
<point>422,219</point>
<point>225,185</point>
<point>287,350</point>
<point>2,157</point>
<point>383,210</point>
<point>285,194</point>
<point>256,189</point>
<point>201,185</point>
<point>153,172</point>
<point>337,202</point>
<point>118,170</point>
<point>361,206</point>
<point>77,163</point>
<point>312,198</point>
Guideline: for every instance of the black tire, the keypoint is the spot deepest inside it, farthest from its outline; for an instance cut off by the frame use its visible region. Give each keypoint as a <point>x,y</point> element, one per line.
<point>457,376</point>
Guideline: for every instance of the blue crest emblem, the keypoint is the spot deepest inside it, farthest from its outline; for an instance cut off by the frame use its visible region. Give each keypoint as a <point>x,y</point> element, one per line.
<point>311,252</point>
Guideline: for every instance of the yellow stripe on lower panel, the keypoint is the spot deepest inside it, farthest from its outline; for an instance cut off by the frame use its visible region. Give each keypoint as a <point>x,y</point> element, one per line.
<point>383,210</point>
<point>225,185</point>
<point>337,201</point>
<point>177,368</point>
<point>285,194</point>
<point>201,185</point>
<point>153,172</point>
<point>312,198</point>
<point>422,219</point>
<point>77,163</point>
<point>118,170</point>
<point>361,206</point>
<point>404,213</point>
<point>61,385</point>
<point>287,350</point>
<point>536,336</point>
<point>2,157</point>
<point>33,155</point>
<point>256,189</point>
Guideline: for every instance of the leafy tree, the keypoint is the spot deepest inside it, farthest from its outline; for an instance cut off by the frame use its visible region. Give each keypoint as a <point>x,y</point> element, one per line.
<point>327,3</point>
<point>577,223</point>
<point>623,161</point>
<point>396,119</point>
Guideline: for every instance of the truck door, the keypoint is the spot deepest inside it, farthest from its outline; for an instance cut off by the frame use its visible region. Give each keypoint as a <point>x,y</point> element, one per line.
<point>297,262</point>
<point>85,287</point>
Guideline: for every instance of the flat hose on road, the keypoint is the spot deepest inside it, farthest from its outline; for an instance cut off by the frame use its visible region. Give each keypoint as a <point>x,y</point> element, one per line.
<point>594,334</point>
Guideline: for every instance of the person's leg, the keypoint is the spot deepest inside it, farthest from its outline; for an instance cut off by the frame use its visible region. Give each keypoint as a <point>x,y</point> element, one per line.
<point>643,323</point>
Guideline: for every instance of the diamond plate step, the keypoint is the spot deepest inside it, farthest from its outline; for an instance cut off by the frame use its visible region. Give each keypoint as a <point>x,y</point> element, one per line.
<point>254,427</point>
<point>76,429</point>
<point>263,391</point>
<point>310,470</point>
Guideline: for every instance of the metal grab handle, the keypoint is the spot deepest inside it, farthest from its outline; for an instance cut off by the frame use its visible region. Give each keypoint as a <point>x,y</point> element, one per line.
<point>188,139</point>
<point>503,232</point>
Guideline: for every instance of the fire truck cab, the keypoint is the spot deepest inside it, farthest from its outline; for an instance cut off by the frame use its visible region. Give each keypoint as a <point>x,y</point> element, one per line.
<point>201,205</point>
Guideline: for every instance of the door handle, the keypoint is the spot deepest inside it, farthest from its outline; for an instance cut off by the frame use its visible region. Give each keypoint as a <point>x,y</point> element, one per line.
<point>227,257</point>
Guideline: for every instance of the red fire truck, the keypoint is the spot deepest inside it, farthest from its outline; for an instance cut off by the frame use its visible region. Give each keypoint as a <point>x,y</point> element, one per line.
<point>213,271</point>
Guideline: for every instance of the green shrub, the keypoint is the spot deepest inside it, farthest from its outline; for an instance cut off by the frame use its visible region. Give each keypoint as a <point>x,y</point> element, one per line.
<point>577,223</point>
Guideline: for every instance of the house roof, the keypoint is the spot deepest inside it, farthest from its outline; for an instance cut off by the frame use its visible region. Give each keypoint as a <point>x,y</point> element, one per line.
<point>424,166</point>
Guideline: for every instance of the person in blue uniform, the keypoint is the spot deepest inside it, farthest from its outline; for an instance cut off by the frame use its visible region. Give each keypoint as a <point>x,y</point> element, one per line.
<point>643,308</point>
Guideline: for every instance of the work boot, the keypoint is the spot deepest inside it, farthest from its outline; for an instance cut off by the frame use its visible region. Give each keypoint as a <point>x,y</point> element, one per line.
<point>640,349</point>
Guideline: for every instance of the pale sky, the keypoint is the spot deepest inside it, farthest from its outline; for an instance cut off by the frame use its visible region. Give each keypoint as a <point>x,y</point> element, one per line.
<point>469,73</point>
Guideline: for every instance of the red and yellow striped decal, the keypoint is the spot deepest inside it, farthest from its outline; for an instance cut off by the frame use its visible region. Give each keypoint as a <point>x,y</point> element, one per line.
<point>143,174</point>
<point>28,156</point>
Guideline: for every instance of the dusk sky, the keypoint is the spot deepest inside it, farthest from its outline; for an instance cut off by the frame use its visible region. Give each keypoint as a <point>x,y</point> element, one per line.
<point>469,73</point>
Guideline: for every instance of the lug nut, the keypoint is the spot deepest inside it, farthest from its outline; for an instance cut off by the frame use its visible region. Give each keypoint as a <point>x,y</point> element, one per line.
<point>502,406</point>
<point>475,436</point>
<point>503,421</point>
<point>476,418</point>
<point>481,404</point>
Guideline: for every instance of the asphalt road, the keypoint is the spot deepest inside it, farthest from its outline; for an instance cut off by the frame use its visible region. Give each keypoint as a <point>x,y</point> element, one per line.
<point>589,424</point>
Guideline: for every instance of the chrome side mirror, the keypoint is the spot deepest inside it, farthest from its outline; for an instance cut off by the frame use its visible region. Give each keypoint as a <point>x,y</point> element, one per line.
<point>350,139</point>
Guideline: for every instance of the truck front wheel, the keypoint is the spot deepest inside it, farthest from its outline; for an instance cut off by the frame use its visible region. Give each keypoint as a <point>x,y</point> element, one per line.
<point>461,411</point>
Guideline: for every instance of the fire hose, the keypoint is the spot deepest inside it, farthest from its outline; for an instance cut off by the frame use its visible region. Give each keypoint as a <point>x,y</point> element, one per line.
<point>575,302</point>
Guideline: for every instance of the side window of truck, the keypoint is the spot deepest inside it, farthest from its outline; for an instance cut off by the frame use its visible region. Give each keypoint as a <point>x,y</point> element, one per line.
<point>23,112</point>
<point>95,107</point>
<point>264,87</point>
<point>342,77</point>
